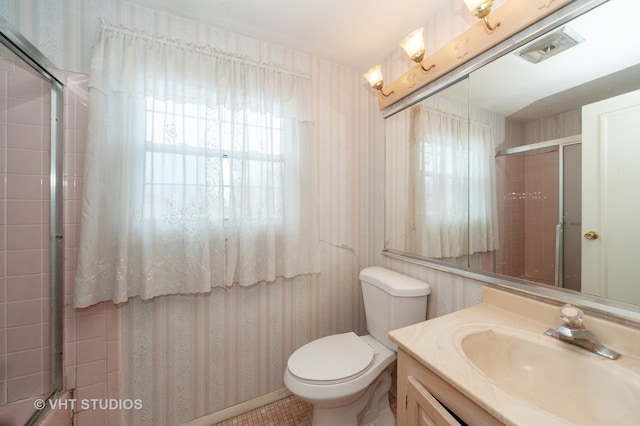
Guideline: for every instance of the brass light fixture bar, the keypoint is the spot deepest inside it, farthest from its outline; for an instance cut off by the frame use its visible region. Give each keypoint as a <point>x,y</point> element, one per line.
<point>514,16</point>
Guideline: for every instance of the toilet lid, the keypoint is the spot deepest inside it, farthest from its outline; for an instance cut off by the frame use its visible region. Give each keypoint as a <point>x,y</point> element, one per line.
<point>332,358</point>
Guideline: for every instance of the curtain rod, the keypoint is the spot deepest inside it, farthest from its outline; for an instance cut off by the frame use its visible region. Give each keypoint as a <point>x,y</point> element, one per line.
<point>200,49</point>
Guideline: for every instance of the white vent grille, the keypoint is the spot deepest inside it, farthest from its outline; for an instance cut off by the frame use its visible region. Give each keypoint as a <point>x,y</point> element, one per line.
<point>550,45</point>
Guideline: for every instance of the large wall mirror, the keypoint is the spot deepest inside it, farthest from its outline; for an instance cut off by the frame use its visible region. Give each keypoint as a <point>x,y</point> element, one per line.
<point>528,166</point>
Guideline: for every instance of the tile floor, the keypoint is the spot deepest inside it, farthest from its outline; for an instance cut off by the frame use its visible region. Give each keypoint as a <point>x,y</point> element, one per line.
<point>289,411</point>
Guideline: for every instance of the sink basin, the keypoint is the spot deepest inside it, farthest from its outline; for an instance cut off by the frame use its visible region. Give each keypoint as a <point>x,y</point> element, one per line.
<point>568,382</point>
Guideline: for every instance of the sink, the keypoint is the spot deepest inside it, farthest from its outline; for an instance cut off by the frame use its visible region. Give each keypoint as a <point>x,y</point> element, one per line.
<point>494,358</point>
<point>568,382</point>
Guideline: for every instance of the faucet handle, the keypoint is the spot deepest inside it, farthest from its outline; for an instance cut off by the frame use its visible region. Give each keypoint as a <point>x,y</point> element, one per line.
<point>571,316</point>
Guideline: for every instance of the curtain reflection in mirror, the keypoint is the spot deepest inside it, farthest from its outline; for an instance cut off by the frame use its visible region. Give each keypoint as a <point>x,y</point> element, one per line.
<point>450,158</point>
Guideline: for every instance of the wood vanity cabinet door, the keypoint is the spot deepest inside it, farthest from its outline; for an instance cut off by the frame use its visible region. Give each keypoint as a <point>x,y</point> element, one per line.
<point>423,390</point>
<point>423,409</point>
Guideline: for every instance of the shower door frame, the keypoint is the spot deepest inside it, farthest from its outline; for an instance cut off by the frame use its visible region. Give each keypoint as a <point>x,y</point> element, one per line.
<point>560,242</point>
<point>22,48</point>
<point>559,143</point>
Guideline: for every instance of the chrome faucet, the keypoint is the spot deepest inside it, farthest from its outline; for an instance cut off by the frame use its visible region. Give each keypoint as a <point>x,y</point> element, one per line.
<point>572,331</point>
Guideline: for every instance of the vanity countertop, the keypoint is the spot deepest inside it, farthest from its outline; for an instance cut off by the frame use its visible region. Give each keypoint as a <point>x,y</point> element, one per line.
<point>437,344</point>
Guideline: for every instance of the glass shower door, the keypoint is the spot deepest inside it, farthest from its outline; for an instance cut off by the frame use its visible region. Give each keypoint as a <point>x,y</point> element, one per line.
<point>30,237</point>
<point>571,175</point>
<point>539,200</point>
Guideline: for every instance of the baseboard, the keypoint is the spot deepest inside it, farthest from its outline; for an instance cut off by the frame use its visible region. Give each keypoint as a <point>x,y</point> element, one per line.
<point>238,409</point>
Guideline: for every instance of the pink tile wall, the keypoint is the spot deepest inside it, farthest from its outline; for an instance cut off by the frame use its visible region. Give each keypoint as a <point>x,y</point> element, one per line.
<point>91,336</point>
<point>510,181</point>
<point>528,213</point>
<point>541,217</point>
<point>25,104</point>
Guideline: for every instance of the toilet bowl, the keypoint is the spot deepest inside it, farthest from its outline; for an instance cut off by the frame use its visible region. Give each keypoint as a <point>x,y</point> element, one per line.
<point>345,376</point>
<point>339,371</point>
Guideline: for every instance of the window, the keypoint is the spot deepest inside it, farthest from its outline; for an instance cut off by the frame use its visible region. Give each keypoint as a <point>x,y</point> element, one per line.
<point>198,158</point>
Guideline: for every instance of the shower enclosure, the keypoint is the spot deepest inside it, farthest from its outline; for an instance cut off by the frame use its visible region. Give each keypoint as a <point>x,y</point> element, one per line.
<point>539,199</point>
<point>31,238</point>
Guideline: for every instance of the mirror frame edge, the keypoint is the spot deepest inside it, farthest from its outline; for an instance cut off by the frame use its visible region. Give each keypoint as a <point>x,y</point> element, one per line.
<point>612,310</point>
<point>609,309</point>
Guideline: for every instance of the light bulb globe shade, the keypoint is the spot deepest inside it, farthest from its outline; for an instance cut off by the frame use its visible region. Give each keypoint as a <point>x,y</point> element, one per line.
<point>374,77</point>
<point>413,44</point>
<point>479,8</point>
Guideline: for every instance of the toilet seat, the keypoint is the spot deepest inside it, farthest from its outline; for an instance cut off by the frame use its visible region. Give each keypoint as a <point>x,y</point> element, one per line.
<point>332,359</point>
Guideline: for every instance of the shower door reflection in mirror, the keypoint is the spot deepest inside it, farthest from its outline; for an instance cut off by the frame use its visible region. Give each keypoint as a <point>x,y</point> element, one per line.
<point>539,211</point>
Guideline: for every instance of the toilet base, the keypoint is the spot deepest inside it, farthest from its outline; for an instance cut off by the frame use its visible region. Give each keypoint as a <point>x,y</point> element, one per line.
<point>378,411</point>
<point>370,409</point>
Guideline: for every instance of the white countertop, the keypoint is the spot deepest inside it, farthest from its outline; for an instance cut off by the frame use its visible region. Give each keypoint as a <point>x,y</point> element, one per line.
<point>436,344</point>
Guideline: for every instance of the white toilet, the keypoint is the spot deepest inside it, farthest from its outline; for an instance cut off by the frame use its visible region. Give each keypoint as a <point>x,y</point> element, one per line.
<point>346,377</point>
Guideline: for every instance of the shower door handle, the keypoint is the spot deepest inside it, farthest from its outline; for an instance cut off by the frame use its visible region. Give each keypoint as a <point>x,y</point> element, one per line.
<point>591,235</point>
<point>559,279</point>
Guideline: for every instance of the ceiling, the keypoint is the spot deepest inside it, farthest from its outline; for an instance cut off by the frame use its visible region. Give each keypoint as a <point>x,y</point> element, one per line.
<point>357,33</point>
<point>602,65</point>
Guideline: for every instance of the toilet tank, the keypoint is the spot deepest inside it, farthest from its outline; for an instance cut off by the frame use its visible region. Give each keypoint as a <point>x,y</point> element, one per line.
<point>392,300</point>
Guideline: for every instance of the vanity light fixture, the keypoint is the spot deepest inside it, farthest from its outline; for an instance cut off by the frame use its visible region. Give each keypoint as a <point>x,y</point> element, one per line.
<point>481,9</point>
<point>374,77</point>
<point>413,44</point>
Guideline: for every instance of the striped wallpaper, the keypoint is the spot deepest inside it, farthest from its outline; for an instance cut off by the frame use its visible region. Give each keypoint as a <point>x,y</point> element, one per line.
<point>188,356</point>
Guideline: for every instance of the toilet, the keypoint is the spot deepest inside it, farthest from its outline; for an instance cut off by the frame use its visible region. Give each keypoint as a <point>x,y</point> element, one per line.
<point>345,376</point>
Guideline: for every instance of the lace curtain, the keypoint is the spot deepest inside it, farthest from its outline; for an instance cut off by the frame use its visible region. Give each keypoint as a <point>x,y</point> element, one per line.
<point>453,176</point>
<point>199,171</point>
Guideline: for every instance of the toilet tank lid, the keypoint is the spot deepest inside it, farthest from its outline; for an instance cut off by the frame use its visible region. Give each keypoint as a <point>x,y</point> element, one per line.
<point>394,283</point>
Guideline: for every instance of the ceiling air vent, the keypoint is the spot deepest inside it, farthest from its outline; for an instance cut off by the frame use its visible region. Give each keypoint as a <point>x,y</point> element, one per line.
<point>550,45</point>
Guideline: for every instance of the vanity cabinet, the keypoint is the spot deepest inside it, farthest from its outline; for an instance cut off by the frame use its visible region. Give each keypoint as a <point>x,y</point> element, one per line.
<point>423,409</point>
<point>423,395</point>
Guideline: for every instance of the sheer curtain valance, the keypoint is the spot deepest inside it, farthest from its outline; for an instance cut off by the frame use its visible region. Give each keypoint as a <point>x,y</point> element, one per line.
<point>199,171</point>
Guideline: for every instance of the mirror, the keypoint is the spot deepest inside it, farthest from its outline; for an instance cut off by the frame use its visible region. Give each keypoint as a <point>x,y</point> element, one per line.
<point>487,174</point>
